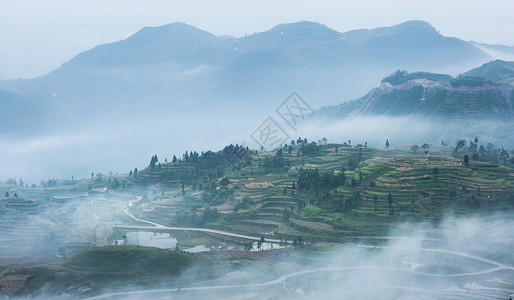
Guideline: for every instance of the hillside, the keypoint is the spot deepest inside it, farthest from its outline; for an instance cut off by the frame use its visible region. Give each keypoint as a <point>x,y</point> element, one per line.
<point>437,96</point>
<point>101,269</point>
<point>312,190</point>
<point>302,193</point>
<point>24,114</point>
<point>132,261</point>
<point>498,71</point>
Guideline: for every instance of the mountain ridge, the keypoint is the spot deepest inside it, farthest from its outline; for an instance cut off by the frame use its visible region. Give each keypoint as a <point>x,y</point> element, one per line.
<point>173,65</point>
<point>437,95</point>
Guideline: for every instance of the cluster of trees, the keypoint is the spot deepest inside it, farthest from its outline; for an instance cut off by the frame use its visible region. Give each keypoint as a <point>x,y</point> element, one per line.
<point>189,217</point>
<point>299,141</point>
<point>12,181</point>
<point>15,195</point>
<point>116,184</point>
<point>191,156</point>
<point>415,148</point>
<point>354,160</point>
<point>153,161</point>
<point>277,162</point>
<point>321,189</point>
<point>309,179</point>
<point>309,149</point>
<point>236,153</point>
<point>477,152</point>
<point>215,190</point>
<point>49,183</point>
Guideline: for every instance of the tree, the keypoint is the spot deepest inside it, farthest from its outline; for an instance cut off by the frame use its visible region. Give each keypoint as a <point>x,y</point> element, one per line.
<point>15,195</point>
<point>260,242</point>
<point>390,199</point>
<point>481,150</point>
<point>387,143</point>
<point>375,200</point>
<point>460,145</point>
<point>414,148</point>
<point>6,194</point>
<point>475,156</point>
<point>466,160</point>
<point>174,159</point>
<point>153,161</point>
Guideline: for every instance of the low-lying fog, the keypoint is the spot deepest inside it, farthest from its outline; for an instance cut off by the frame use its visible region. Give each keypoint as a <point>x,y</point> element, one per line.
<point>120,146</point>
<point>470,258</point>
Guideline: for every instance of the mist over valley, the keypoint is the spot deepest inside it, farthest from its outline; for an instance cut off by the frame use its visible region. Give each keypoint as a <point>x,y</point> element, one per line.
<point>294,163</point>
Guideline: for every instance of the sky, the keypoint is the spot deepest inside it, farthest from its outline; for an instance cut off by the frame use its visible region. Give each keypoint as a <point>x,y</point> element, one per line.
<point>36,36</point>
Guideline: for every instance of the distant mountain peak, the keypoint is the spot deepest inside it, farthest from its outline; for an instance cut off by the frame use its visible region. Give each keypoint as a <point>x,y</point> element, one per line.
<point>176,29</point>
<point>414,27</point>
<point>417,24</point>
<point>307,29</point>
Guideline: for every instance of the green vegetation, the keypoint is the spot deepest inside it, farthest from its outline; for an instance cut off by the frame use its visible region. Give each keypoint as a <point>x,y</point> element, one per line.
<point>497,71</point>
<point>132,260</point>
<point>331,193</point>
<point>470,81</point>
<point>402,76</point>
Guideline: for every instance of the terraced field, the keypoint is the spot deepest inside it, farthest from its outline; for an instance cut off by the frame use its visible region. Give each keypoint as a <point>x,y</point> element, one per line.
<point>423,186</point>
<point>259,201</point>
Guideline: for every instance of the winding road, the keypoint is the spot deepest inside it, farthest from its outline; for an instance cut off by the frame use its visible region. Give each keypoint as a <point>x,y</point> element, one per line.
<point>282,279</point>
<point>159,226</point>
<point>497,266</point>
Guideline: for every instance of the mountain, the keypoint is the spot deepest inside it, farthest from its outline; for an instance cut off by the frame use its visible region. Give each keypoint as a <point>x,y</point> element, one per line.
<point>468,96</point>
<point>24,114</point>
<point>177,86</point>
<point>498,71</point>
<point>177,65</point>
<point>501,52</point>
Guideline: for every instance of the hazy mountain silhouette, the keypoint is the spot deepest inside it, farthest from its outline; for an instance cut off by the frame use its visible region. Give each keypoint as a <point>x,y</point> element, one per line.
<point>178,67</point>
